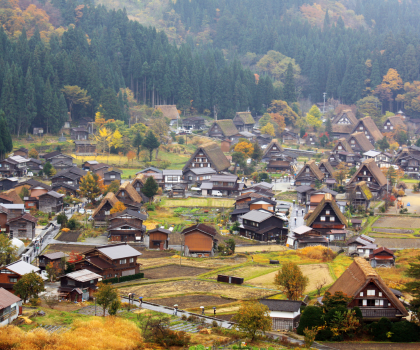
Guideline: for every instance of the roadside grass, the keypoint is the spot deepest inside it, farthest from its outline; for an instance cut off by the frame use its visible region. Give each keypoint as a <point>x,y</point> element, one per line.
<point>198,202</point>
<point>369,222</point>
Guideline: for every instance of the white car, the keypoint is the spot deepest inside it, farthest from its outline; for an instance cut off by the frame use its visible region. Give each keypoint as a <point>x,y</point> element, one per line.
<point>217,193</point>
<point>89,211</point>
<point>81,211</point>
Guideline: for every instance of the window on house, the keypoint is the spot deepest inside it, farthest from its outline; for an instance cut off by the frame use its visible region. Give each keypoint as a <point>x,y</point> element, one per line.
<point>307,170</point>
<point>332,218</point>
<point>380,294</point>
<point>364,173</point>
<point>70,282</point>
<point>322,218</point>
<point>131,260</point>
<point>123,261</point>
<point>391,127</point>
<point>327,212</point>
<point>12,279</point>
<point>370,292</point>
<point>379,302</point>
<point>5,271</point>
<point>385,127</point>
<point>122,193</point>
<point>92,281</point>
<point>339,147</point>
<point>107,212</point>
<point>361,294</point>
<point>112,176</point>
<point>364,302</point>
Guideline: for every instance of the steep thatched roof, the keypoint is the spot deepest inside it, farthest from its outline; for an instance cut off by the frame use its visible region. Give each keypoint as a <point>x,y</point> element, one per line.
<point>14,196</point>
<point>362,140</point>
<point>357,276</point>
<point>109,198</point>
<point>343,142</point>
<point>227,127</point>
<point>396,121</point>
<point>169,111</point>
<point>364,189</point>
<point>376,172</point>
<point>371,127</point>
<point>274,142</point>
<point>328,166</point>
<point>214,153</point>
<point>246,117</point>
<point>342,128</point>
<point>328,199</point>
<point>345,113</point>
<point>314,168</point>
<point>132,193</point>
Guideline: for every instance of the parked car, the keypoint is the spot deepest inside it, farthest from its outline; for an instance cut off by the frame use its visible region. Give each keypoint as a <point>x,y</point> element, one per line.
<point>81,211</point>
<point>217,193</point>
<point>89,211</point>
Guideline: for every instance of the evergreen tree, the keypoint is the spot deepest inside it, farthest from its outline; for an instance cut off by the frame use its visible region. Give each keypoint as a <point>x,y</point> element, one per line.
<point>289,90</point>
<point>332,83</point>
<point>30,100</point>
<point>47,106</point>
<point>110,106</point>
<point>328,127</point>
<point>375,75</point>
<point>150,187</point>
<point>137,142</point>
<point>151,143</point>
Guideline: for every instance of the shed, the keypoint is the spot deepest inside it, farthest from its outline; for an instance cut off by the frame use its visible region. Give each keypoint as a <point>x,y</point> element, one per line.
<point>159,238</point>
<point>285,314</point>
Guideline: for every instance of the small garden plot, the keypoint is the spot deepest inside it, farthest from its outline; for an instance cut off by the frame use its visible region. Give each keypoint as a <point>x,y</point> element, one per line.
<point>191,301</point>
<point>68,248</point>
<point>265,281</point>
<point>399,243</point>
<point>196,286</point>
<point>397,222</point>
<point>173,271</point>
<point>70,236</point>
<point>249,272</point>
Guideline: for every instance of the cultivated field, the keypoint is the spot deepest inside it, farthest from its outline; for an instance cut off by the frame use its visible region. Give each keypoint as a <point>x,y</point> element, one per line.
<point>261,248</point>
<point>402,243</point>
<point>210,263</point>
<point>249,272</point>
<point>191,301</point>
<point>397,222</point>
<point>177,288</point>
<point>199,202</point>
<point>170,271</point>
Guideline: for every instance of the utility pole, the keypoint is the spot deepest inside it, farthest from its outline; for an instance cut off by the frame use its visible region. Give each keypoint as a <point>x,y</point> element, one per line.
<point>325,94</point>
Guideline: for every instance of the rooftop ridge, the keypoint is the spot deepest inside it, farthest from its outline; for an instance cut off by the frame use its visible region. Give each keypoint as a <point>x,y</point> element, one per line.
<point>367,270</point>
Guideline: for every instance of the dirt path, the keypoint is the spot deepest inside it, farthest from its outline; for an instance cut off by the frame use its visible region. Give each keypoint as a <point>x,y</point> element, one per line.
<point>374,346</point>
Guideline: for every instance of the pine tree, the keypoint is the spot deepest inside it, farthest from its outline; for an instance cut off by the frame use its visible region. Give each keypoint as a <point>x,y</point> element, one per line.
<point>332,83</point>
<point>185,92</point>
<point>151,143</point>
<point>375,75</point>
<point>47,106</point>
<point>30,100</point>
<point>289,89</point>
<point>110,106</point>
<point>328,127</point>
<point>410,70</point>
<point>137,142</point>
<point>150,187</point>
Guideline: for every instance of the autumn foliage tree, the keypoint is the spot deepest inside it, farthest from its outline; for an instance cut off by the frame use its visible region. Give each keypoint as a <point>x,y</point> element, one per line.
<point>29,286</point>
<point>268,129</point>
<point>278,119</point>
<point>253,317</point>
<point>341,173</point>
<point>91,186</point>
<point>33,153</point>
<point>291,280</point>
<point>283,109</point>
<point>118,207</point>
<point>391,84</point>
<point>246,148</point>
<point>131,155</point>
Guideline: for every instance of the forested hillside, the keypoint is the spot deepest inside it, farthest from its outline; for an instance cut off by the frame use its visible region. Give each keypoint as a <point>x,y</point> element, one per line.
<point>90,54</point>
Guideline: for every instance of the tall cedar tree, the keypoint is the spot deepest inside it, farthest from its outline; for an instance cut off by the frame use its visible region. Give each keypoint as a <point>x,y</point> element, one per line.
<point>414,287</point>
<point>150,188</point>
<point>289,90</point>
<point>137,142</point>
<point>291,280</point>
<point>151,143</point>
<point>258,153</point>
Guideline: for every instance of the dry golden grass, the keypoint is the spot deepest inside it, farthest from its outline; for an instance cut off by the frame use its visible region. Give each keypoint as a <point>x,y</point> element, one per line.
<point>265,281</point>
<point>316,273</point>
<point>265,248</point>
<point>96,334</point>
<point>249,272</point>
<point>210,263</point>
<point>196,286</point>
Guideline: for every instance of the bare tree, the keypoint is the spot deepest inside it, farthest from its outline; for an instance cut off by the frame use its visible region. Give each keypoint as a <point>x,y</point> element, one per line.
<point>320,285</point>
<point>50,300</point>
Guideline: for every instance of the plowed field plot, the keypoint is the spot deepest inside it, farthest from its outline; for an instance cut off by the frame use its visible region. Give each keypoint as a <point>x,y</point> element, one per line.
<point>211,263</point>
<point>261,248</point>
<point>191,301</point>
<point>70,236</point>
<point>403,243</point>
<point>195,286</point>
<point>315,273</point>
<point>397,222</point>
<point>68,248</point>
<point>173,271</point>
<point>375,346</point>
<point>248,272</point>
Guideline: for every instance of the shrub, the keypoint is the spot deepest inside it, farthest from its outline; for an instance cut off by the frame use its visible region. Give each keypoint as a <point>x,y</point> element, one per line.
<point>184,317</point>
<point>35,301</point>
<point>124,278</point>
<point>382,209</point>
<point>380,329</point>
<point>310,335</point>
<point>324,334</point>
<point>404,332</point>
<point>358,313</point>
<point>214,324</point>
<point>72,224</point>
<point>331,313</point>
<point>151,207</point>
<point>311,317</point>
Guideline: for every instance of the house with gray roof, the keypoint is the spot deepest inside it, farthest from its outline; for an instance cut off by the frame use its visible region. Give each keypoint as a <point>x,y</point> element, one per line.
<point>263,225</point>
<point>285,314</point>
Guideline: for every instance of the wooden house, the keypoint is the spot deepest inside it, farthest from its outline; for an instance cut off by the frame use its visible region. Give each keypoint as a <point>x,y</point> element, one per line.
<point>103,212</point>
<point>393,123</point>
<point>367,126</point>
<point>260,202</point>
<point>368,292</point>
<point>84,147</point>
<point>88,164</point>
<point>273,149</point>
<point>225,145</point>
<point>13,166</point>
<point>342,145</point>
<point>111,261</point>
<point>281,162</point>
<point>263,139</point>
<point>304,236</point>
<point>22,226</point>
<point>227,184</point>
<point>10,307</point>
<point>360,195</point>
<point>382,257</point>
<point>359,143</point>
<point>78,286</point>
<point>223,129</point>
<point>150,170</point>
<point>170,112</point>
<point>4,199</point>
<point>284,314</point>
<point>59,160</point>
<point>172,177</point>
<point>69,190</point>
<point>177,191</point>
<point>193,123</point>
<point>370,173</point>
<point>79,133</point>
<point>343,124</point>
<point>11,273</point>
<point>244,121</point>
<point>35,188</point>
<point>311,140</point>
<point>199,240</point>
<point>129,196</point>
<point>198,175</point>
<point>326,217</point>
<point>264,226</point>
<point>38,131</point>
<point>99,169</point>
<point>288,136</point>
<point>127,226</point>
<point>8,183</point>
<point>361,246</point>
<point>112,174</point>
<point>50,202</point>
<point>309,174</point>
<point>51,258</point>
<point>159,238</point>
<point>408,159</point>
<point>22,151</point>
<point>71,176</point>
<point>138,182</point>
<point>326,168</point>
<point>208,155</point>
<point>34,165</point>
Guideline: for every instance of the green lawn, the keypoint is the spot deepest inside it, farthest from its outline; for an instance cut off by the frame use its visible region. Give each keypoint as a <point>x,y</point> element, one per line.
<point>198,202</point>
<point>410,181</point>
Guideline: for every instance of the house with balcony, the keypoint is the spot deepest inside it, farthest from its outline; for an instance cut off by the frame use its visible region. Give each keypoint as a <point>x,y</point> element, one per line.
<point>10,274</point>
<point>10,307</point>
<point>263,225</point>
<point>227,184</point>
<point>327,217</point>
<point>127,226</point>
<point>103,212</point>
<point>359,143</point>
<point>309,174</point>
<point>367,126</point>
<point>372,175</point>
<point>111,261</point>
<point>79,285</point>
<point>244,121</point>
<point>209,155</point>
<point>368,292</point>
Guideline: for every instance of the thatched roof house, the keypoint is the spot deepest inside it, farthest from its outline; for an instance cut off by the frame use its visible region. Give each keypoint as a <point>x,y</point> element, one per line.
<point>127,194</point>
<point>368,126</point>
<point>359,142</point>
<point>208,155</point>
<point>342,146</point>
<point>224,128</point>
<point>169,111</point>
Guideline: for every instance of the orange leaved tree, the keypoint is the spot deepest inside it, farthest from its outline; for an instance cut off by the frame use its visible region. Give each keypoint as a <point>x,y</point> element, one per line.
<point>118,207</point>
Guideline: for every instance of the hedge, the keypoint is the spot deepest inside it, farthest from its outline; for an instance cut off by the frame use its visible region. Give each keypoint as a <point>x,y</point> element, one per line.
<point>124,278</point>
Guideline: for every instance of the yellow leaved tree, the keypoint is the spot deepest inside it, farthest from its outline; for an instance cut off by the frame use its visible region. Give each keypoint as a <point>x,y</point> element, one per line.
<point>118,207</point>
<point>268,129</point>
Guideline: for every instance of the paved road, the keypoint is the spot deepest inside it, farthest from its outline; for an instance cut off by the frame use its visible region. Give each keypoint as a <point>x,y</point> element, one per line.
<point>297,217</point>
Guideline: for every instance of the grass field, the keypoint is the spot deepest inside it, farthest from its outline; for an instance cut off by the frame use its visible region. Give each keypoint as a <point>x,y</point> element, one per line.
<point>198,202</point>
<point>249,272</point>
<point>262,248</point>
